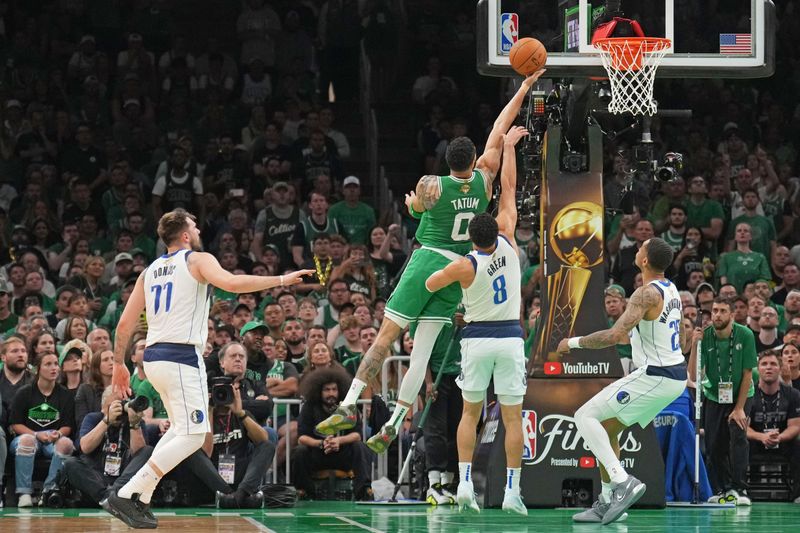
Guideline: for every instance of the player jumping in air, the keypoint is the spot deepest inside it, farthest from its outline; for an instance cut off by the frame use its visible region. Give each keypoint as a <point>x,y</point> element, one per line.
<point>446,205</point>
<point>491,343</point>
<point>653,317</point>
<point>174,292</point>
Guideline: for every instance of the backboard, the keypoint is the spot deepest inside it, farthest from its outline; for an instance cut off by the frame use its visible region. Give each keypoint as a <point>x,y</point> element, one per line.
<point>723,39</point>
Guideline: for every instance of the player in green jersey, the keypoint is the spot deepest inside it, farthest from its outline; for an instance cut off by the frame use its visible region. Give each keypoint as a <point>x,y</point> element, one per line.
<point>445,205</point>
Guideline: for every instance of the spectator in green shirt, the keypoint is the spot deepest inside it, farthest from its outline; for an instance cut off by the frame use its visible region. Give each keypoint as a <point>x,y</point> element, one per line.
<point>762,228</point>
<point>661,212</point>
<point>742,264</point>
<point>136,224</point>
<point>676,227</point>
<point>8,320</point>
<point>354,217</point>
<point>727,358</point>
<point>702,212</point>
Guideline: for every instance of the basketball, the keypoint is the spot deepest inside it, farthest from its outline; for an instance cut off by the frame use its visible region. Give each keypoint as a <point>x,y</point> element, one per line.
<point>527,56</point>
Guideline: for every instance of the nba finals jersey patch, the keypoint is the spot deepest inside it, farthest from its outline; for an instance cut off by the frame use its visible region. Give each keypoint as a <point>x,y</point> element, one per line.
<point>196,416</point>
<point>623,397</point>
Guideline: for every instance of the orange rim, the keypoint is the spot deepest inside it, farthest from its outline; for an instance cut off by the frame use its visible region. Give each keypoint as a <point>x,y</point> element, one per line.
<point>625,53</point>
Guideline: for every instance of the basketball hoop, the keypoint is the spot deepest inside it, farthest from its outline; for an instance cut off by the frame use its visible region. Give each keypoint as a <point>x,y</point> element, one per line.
<point>631,63</point>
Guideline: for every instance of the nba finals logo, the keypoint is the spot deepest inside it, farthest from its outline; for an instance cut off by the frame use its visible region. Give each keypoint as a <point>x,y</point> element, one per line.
<point>509,31</point>
<point>528,435</point>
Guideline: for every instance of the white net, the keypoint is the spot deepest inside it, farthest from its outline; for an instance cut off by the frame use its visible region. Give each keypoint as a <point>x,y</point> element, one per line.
<point>631,63</point>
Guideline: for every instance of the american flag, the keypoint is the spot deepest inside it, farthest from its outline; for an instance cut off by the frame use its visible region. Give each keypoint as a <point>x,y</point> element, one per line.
<point>735,43</point>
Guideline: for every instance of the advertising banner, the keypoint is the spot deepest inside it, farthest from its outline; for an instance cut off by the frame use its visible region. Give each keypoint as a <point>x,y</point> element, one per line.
<point>571,230</point>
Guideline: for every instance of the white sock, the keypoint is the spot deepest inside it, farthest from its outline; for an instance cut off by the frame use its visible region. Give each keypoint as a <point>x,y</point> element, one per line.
<point>434,477</point>
<point>512,479</point>
<point>165,458</point>
<point>143,483</point>
<point>595,436</point>
<point>447,478</point>
<point>356,388</point>
<point>424,339</point>
<point>605,493</point>
<point>465,472</point>
<point>398,416</point>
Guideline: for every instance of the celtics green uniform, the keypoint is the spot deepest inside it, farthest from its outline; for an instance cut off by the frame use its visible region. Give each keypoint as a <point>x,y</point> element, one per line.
<point>444,238</point>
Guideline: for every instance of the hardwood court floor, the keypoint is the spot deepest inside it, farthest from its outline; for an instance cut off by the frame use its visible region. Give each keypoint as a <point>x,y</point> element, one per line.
<point>338,517</point>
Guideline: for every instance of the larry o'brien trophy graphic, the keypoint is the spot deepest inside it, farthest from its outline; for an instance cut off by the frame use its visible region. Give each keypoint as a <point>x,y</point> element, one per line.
<point>576,238</point>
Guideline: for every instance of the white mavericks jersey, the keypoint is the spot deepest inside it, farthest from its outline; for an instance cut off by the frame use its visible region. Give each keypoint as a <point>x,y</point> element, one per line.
<point>176,303</point>
<point>657,342</point>
<point>496,291</point>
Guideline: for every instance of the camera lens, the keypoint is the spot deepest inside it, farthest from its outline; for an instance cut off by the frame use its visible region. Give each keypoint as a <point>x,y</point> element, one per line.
<point>138,404</point>
<point>666,174</point>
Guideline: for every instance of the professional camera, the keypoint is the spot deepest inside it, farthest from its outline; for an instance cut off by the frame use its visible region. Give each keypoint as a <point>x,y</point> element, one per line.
<point>63,494</point>
<point>671,168</point>
<point>574,162</point>
<point>221,390</point>
<point>138,404</point>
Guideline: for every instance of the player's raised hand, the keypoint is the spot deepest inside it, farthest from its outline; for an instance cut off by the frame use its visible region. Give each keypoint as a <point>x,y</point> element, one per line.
<point>121,382</point>
<point>293,278</point>
<point>514,135</point>
<point>410,197</point>
<point>533,78</point>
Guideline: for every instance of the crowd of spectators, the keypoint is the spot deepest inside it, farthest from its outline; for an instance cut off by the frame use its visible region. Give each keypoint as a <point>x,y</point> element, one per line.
<point>113,114</point>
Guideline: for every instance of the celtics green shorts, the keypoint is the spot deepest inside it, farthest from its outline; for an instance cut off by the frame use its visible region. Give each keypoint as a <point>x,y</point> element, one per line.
<point>411,301</point>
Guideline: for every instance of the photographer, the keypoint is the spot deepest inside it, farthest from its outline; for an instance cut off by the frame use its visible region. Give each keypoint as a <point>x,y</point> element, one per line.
<point>255,399</point>
<point>323,389</point>
<point>239,447</point>
<point>112,447</point>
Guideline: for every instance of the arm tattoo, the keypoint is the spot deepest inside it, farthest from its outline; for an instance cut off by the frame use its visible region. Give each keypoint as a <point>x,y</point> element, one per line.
<point>641,301</point>
<point>372,363</point>
<point>428,190</point>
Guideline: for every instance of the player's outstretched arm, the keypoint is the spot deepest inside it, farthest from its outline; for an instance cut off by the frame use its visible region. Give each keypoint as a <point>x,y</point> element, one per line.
<point>210,270</point>
<point>490,160</point>
<point>425,195</point>
<point>120,379</point>
<point>642,300</point>
<point>507,213</point>
<point>460,271</point>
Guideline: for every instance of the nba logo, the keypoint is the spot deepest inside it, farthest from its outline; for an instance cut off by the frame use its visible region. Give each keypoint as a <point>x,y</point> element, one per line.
<point>509,26</point>
<point>528,435</point>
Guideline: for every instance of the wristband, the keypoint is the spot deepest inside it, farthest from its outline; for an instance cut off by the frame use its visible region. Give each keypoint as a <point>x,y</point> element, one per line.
<point>281,280</point>
<point>574,343</point>
<point>413,212</point>
<point>242,416</point>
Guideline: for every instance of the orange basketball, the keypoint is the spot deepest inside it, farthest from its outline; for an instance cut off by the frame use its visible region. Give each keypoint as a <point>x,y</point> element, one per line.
<point>527,56</point>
